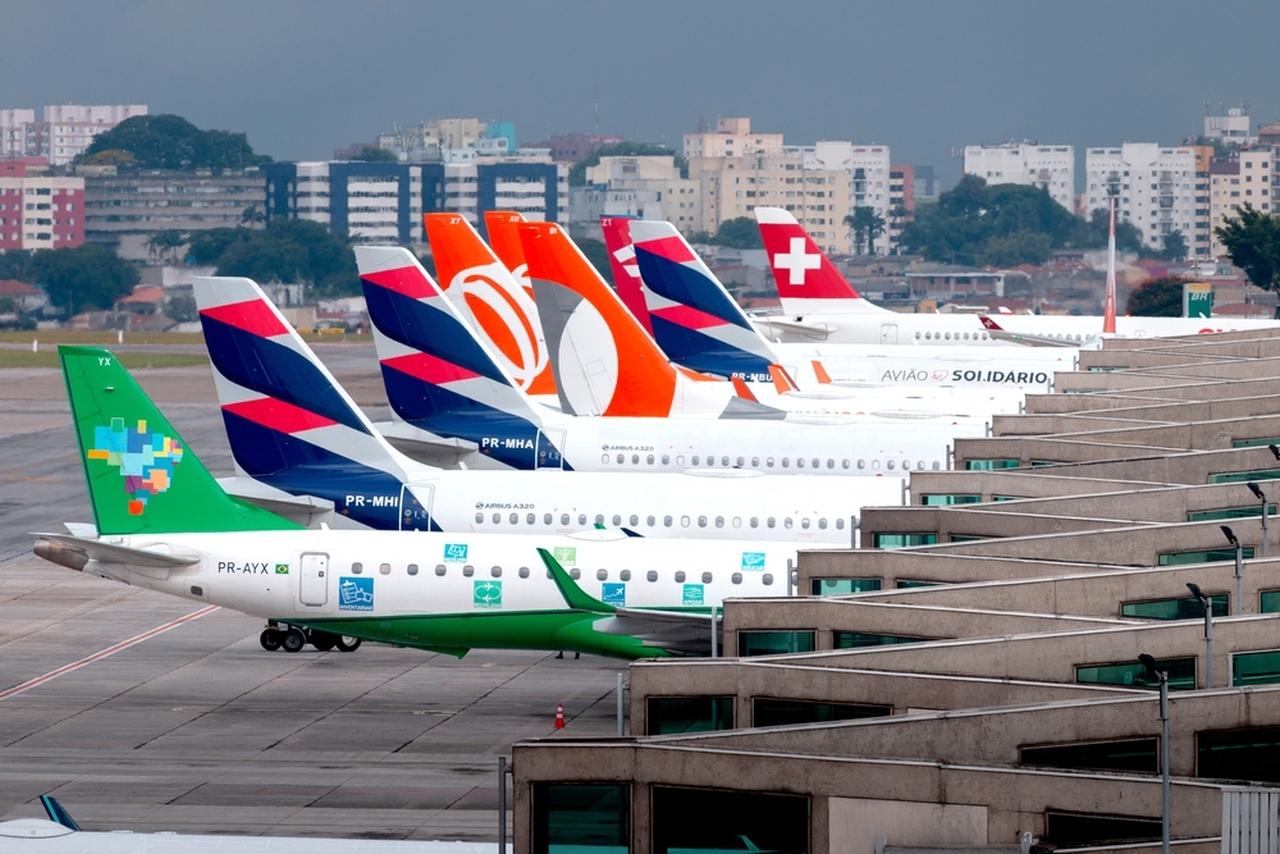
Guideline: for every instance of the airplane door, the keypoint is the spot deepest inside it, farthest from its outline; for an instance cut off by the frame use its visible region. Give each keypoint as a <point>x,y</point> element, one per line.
<point>888,333</point>
<point>313,580</point>
<point>414,516</point>
<point>550,447</point>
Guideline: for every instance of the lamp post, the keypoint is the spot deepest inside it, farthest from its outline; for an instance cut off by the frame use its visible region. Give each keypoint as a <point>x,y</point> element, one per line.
<point>1154,670</point>
<point>1238,605</point>
<point>1207,604</point>
<point>1262,498</point>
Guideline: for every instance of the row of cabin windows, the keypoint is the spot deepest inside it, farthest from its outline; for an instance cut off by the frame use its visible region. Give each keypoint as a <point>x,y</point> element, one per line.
<point>667,521</point>
<point>357,568</point>
<point>952,336</point>
<point>697,460</point>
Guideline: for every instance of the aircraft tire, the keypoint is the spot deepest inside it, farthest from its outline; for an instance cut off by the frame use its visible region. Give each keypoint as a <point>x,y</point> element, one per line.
<point>323,641</point>
<point>270,639</point>
<point>347,643</point>
<point>294,640</point>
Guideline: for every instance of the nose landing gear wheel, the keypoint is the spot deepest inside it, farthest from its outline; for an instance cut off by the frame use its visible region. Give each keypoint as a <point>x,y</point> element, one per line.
<point>271,639</point>
<point>294,640</point>
<point>346,643</point>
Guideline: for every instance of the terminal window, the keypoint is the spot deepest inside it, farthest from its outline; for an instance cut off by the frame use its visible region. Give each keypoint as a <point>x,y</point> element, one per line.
<point>856,640</point>
<point>1130,754</point>
<point>1269,601</point>
<point>1227,513</point>
<point>715,820</point>
<point>1202,556</point>
<point>1182,674</point>
<point>666,715</point>
<point>989,465</point>
<point>774,642</point>
<point>1255,668</point>
<point>842,586</point>
<point>1184,608</point>
<point>902,541</point>
<point>772,711</point>
<point>1080,830</point>
<point>581,817</point>
<point>1243,476</point>
<point>1239,754</point>
<point>911,583</point>
<point>948,500</point>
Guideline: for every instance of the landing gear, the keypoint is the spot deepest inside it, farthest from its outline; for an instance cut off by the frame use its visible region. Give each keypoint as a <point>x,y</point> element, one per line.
<point>294,640</point>
<point>271,639</point>
<point>346,643</point>
<point>323,641</point>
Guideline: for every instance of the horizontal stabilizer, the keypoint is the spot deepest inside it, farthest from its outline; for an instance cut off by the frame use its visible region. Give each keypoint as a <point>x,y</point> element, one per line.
<point>111,553</point>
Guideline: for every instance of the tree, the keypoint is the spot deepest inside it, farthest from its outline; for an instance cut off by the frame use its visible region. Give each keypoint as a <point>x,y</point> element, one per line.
<point>373,154</point>
<point>867,225</point>
<point>182,308</point>
<point>598,254</point>
<point>741,232</point>
<point>578,172</point>
<point>1175,247</point>
<point>252,215</point>
<point>1158,297</point>
<point>1252,239</point>
<point>285,251</point>
<point>166,141</point>
<point>86,277</point>
<point>164,243</point>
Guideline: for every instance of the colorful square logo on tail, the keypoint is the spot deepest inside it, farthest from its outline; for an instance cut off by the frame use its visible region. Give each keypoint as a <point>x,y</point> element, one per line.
<point>566,556</point>
<point>455,552</point>
<point>355,594</point>
<point>753,561</point>
<point>486,594</point>
<point>614,593</point>
<point>145,459</point>
<point>692,594</point>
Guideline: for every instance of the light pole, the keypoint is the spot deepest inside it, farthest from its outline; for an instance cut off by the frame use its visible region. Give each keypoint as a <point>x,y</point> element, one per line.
<point>1262,498</point>
<point>1207,604</point>
<point>1154,670</point>
<point>1231,538</point>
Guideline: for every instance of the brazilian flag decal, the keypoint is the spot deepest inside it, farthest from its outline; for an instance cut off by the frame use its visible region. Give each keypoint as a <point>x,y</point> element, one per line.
<point>282,569</point>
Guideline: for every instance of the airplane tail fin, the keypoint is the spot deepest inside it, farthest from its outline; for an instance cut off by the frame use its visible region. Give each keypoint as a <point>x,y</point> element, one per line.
<point>439,376</point>
<point>805,277</point>
<point>820,372</point>
<point>695,320</point>
<point>624,269</point>
<point>142,477</point>
<point>503,230</point>
<point>491,299</point>
<point>289,423</point>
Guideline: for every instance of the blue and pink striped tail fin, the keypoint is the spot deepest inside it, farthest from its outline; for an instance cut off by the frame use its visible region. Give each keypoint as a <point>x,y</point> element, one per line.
<point>290,425</point>
<point>438,375</point>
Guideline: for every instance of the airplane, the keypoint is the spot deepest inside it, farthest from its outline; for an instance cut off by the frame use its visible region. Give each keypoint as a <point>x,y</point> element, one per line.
<point>162,522</point>
<point>697,322</point>
<point>302,448</point>
<point>818,304</point>
<point>445,386</point>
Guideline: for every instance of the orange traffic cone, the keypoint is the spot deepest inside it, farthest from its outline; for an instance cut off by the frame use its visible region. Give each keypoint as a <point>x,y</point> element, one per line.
<point>559,716</point>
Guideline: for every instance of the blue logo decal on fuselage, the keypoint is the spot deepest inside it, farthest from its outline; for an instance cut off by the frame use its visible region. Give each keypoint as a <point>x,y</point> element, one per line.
<point>355,594</point>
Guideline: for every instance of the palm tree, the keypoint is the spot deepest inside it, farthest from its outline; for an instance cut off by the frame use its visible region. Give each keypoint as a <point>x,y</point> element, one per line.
<point>867,225</point>
<point>165,243</point>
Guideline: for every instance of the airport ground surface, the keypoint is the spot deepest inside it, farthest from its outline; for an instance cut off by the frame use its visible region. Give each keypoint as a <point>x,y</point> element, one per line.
<point>195,728</point>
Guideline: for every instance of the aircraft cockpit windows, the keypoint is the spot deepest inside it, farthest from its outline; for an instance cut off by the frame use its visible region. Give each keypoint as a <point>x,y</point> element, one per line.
<point>706,578</point>
<point>479,518</point>
<point>617,520</point>
<point>412,569</point>
<point>822,523</point>
<point>602,574</point>
<point>719,521</point>
<point>468,570</point>
<point>624,575</point>
<point>767,578</point>
<point>684,521</point>
<point>679,576</point>
<point>357,568</point>
<point>736,578</point>
<point>441,569</point>
<point>651,575</point>
<point>702,521</point>
<point>384,569</point>
<point>523,572</point>
<point>564,518</point>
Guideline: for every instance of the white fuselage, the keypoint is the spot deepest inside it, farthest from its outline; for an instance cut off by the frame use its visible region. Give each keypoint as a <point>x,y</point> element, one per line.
<point>1083,327</point>
<point>370,574</point>
<point>839,321</point>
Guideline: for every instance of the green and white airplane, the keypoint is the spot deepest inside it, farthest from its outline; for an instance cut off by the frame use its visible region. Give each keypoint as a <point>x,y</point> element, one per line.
<point>164,523</point>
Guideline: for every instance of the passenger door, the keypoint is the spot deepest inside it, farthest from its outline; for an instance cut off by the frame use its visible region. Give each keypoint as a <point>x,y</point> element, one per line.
<point>888,333</point>
<point>313,580</point>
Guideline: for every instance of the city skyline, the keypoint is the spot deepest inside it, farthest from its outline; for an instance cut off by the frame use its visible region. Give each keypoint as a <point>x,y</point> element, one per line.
<point>802,73</point>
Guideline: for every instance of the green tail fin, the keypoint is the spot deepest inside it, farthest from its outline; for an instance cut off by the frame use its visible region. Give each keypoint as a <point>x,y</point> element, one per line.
<point>142,478</point>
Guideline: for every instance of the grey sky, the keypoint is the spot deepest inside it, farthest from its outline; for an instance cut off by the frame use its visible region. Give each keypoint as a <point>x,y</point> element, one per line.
<point>304,77</point>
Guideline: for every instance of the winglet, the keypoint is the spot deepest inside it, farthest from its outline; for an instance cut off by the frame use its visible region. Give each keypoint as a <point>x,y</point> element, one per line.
<point>740,386</point>
<point>574,596</point>
<point>820,371</point>
<point>57,812</point>
<point>781,381</point>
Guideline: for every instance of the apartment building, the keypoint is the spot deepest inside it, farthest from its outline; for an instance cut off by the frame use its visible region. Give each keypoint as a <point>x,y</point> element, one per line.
<point>1246,178</point>
<point>527,181</point>
<point>40,211</point>
<point>64,132</point>
<point>650,187</point>
<point>1158,190</point>
<point>1046,167</point>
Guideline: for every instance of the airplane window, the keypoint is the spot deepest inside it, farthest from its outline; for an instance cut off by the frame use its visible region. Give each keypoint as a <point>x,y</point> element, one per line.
<point>635,459</point>
<point>696,458</point>
<point>889,465</point>
<point>840,523</point>
<point>947,336</point>
<point>936,465</point>
<point>441,569</point>
<point>495,571</point>
<point>702,521</point>
<point>787,522</point>
<point>564,518</point>
<point>604,458</point>
<point>906,465</point>
<point>875,465</point>
<point>514,519</point>
<point>706,578</point>
<point>736,578</point>
<point>741,462</point>
<point>497,517</point>
<point>719,521</point>
<point>412,569</point>
<point>530,518</point>
<point>582,518</point>
<point>724,461</point>
<point>666,460</point>
<point>737,521</point>
<point>602,574</point>
<point>479,518</point>
<point>617,520</point>
<point>966,336</point>
<point>831,463</point>
<point>357,568</point>
<point>650,520</point>
<point>666,521</point>
<point>599,518</point>
<point>770,523</point>
<point>524,572</point>
<point>634,520</point>
<point>680,576</point>
<point>767,578</point>
<point>624,575</point>
<point>621,458</point>
<point>575,573</point>
<point>468,570</point>
<point>755,462</point>
<point>651,575</point>
<point>786,462</point>
<point>917,334</point>
<point>844,464</point>
<point>862,464</point>
<point>817,463</point>
<point>755,522</point>
<point>822,523</point>
<point>919,465</point>
<point>804,523</point>
<point>384,569</point>
<point>769,462</point>
<point>649,459</point>
<point>684,521</point>
<point>799,462</point>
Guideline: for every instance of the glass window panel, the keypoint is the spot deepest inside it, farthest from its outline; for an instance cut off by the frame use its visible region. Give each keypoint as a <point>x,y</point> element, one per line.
<point>910,583</point>
<point>773,711</point>
<point>1182,674</point>
<point>1202,556</point>
<point>1243,476</point>
<point>1185,608</point>
<point>1228,513</point>
<point>1133,754</point>
<point>688,714</point>
<point>989,465</point>
<point>901,541</point>
<point>1268,601</point>
<point>689,821</point>
<point>948,500</point>
<point>571,817</point>
<point>843,586</point>
<point>1255,668</point>
<point>1239,754</point>
<point>774,642</point>
<point>855,640</point>
<point>1082,830</point>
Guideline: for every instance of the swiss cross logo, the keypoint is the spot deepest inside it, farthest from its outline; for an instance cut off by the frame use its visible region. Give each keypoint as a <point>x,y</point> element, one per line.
<point>796,261</point>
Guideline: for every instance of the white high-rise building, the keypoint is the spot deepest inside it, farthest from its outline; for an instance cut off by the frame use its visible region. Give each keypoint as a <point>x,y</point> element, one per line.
<point>19,135</point>
<point>867,171</point>
<point>1240,180</point>
<point>1050,167</point>
<point>645,186</point>
<point>65,132</point>
<point>1154,187</point>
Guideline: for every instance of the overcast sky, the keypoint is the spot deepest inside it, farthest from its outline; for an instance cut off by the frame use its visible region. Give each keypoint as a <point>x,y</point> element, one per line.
<point>305,77</point>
